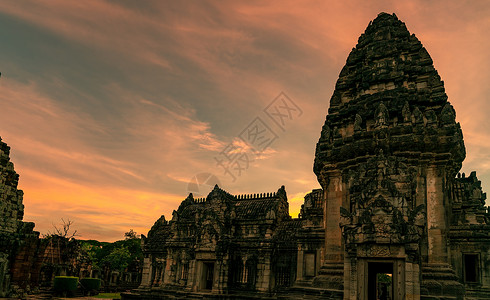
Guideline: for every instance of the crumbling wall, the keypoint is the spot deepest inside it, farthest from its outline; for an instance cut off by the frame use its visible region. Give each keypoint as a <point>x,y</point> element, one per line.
<point>18,240</point>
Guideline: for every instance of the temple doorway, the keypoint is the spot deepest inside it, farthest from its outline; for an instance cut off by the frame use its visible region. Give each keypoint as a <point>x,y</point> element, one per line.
<point>380,280</point>
<point>207,275</point>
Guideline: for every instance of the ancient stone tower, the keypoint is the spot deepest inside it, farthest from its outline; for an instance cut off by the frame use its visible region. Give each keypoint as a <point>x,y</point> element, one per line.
<point>393,220</point>
<point>387,157</point>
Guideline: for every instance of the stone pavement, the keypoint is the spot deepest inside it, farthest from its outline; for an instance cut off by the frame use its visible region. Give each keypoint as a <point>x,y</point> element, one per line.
<point>47,296</point>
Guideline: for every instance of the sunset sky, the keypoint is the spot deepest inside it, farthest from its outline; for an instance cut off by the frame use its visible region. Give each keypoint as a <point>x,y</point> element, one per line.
<point>111,107</point>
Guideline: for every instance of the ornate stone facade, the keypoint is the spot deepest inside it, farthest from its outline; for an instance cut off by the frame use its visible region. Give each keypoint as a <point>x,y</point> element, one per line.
<point>393,219</point>
<point>224,243</point>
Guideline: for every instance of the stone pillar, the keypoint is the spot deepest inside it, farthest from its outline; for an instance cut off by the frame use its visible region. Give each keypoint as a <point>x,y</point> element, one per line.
<point>167,273</point>
<point>146,273</point>
<point>412,281</point>
<point>192,276</point>
<point>218,279</point>
<point>438,276</point>
<point>299,264</point>
<point>264,273</point>
<point>331,273</point>
<point>350,278</point>
<point>221,275</point>
<point>333,234</point>
<point>197,275</point>
<point>436,216</point>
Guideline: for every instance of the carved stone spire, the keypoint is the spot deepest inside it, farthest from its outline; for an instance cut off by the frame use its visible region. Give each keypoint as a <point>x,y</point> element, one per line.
<point>379,180</point>
<point>386,76</point>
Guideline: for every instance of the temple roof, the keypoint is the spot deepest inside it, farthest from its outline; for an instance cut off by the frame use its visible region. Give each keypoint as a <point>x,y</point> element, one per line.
<point>389,98</point>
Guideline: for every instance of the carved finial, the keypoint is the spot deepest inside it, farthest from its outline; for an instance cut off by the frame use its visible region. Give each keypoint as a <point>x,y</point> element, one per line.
<point>407,115</point>
<point>448,116</point>
<point>417,117</point>
<point>357,123</point>
<point>381,116</point>
<point>326,132</point>
<point>431,117</point>
<point>281,191</point>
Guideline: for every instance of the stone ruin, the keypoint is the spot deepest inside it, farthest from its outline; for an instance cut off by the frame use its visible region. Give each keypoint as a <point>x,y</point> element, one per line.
<point>387,160</point>
<point>18,241</point>
<point>28,264</point>
<point>393,220</point>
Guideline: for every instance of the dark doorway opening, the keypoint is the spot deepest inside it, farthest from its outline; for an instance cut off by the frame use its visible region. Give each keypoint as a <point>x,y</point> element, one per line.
<point>208,272</point>
<point>380,280</point>
<point>471,268</point>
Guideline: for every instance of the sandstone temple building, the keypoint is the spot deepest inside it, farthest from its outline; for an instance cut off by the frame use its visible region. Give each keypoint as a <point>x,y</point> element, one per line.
<point>393,219</point>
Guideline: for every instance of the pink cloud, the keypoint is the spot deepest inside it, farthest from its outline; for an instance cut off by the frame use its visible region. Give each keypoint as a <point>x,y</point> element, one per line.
<point>238,56</point>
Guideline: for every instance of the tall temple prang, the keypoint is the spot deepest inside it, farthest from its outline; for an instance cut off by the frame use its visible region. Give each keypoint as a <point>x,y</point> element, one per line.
<point>393,220</point>
<point>392,178</point>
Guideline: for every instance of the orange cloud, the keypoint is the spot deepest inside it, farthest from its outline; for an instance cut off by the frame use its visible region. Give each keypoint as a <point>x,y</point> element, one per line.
<point>98,212</point>
<point>111,108</point>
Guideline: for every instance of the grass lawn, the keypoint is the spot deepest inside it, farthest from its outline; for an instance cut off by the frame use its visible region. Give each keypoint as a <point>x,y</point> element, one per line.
<point>108,296</point>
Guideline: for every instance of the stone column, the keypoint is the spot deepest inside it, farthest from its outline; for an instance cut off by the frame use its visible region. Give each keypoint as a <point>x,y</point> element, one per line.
<point>438,276</point>
<point>299,264</point>
<point>333,234</point>
<point>264,268</point>
<point>192,275</point>
<point>331,273</point>
<point>436,216</point>
<point>349,278</point>
<point>197,275</point>
<point>146,273</point>
<point>412,282</point>
<point>167,273</point>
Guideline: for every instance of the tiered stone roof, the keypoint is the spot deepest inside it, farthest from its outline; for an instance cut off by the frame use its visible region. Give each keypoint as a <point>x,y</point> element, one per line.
<point>389,73</point>
<point>222,208</point>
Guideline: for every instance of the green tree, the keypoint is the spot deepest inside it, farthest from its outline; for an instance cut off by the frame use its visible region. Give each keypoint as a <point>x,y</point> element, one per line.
<point>119,258</point>
<point>118,255</point>
<point>131,234</point>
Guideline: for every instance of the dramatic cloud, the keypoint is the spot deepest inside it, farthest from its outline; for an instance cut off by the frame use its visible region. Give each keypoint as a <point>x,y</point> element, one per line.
<point>111,107</point>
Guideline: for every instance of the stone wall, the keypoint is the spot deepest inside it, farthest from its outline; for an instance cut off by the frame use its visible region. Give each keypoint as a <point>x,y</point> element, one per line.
<point>18,240</point>
<point>391,217</point>
<point>11,207</point>
<point>234,244</point>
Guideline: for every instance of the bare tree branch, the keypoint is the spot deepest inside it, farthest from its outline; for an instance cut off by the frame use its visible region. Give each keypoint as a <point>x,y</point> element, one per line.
<point>64,230</point>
